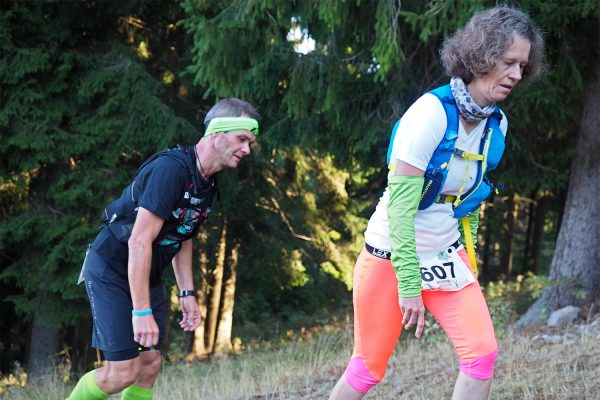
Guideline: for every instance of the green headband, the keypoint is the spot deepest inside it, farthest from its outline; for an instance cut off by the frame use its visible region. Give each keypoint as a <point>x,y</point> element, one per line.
<point>226,124</point>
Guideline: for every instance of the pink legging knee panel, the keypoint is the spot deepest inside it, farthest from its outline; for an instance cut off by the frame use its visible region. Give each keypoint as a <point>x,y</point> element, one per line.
<point>480,368</point>
<point>463,315</point>
<point>358,376</point>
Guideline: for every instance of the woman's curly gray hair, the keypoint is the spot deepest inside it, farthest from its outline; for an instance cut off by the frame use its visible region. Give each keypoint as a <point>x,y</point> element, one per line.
<point>475,50</point>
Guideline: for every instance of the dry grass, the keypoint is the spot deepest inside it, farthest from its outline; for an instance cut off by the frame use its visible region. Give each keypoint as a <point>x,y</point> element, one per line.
<point>527,368</point>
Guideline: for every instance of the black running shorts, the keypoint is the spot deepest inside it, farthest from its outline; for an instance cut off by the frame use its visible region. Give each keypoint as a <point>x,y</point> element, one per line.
<point>110,300</point>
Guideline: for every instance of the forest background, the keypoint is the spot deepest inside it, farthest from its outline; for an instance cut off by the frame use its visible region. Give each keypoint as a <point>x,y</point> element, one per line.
<point>89,89</point>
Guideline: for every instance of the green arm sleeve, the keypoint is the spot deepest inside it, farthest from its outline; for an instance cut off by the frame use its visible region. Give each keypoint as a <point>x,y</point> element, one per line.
<point>474,225</point>
<point>405,194</point>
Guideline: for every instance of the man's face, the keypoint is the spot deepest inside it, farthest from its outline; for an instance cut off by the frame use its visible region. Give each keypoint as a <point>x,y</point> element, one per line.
<point>232,146</point>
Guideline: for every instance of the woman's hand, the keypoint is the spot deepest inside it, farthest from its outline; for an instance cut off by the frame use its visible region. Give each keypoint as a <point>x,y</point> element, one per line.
<point>413,312</point>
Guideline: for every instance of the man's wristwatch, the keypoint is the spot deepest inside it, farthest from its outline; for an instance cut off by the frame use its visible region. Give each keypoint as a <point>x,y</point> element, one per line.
<point>184,293</point>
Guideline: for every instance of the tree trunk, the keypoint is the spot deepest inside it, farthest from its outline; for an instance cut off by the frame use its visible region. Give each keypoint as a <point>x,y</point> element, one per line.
<point>79,340</point>
<point>43,342</point>
<point>223,341</point>
<point>508,230</point>
<point>537,235</point>
<point>215,293</point>
<point>574,272</point>
<point>527,259</point>
<point>199,349</point>
<point>486,245</point>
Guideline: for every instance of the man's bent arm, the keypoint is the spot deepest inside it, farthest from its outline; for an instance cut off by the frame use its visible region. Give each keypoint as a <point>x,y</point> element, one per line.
<point>182,266</point>
<point>145,230</point>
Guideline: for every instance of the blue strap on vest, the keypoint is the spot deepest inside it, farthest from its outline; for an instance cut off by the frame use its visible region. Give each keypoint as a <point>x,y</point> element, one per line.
<point>483,188</point>
<point>393,136</point>
<point>437,169</point>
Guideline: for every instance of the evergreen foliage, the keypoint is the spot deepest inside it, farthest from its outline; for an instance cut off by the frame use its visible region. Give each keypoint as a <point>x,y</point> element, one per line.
<point>89,89</point>
<point>79,113</point>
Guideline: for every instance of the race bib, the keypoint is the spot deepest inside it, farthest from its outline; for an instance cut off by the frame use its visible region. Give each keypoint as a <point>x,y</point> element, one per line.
<point>445,271</point>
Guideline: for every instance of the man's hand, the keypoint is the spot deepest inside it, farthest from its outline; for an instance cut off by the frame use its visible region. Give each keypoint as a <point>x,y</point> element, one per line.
<point>145,330</point>
<point>413,311</point>
<point>191,313</point>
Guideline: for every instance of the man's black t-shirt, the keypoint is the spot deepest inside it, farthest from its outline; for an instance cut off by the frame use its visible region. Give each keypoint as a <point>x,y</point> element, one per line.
<point>164,187</point>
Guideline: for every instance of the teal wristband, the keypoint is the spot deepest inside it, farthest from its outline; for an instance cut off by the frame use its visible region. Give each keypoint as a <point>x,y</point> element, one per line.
<point>139,313</point>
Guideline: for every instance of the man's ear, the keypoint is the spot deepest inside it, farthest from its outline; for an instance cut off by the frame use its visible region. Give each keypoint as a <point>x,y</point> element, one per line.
<point>216,136</point>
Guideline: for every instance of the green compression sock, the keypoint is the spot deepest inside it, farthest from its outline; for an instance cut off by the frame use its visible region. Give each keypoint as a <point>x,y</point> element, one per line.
<point>87,389</point>
<point>135,392</point>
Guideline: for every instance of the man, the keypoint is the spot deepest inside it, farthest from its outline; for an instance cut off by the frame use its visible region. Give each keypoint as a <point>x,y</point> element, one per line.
<point>148,227</point>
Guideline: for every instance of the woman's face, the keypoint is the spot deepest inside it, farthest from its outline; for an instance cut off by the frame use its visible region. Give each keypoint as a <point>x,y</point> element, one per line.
<point>498,83</point>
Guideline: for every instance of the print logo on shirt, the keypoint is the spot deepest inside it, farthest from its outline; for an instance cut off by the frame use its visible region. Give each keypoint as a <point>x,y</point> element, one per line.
<point>188,219</point>
<point>196,201</point>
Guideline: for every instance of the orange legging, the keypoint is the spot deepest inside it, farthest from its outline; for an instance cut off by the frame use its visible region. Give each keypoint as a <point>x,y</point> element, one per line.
<point>463,315</point>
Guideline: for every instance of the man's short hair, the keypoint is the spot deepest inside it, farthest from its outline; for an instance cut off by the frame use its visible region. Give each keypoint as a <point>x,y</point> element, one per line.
<point>231,107</point>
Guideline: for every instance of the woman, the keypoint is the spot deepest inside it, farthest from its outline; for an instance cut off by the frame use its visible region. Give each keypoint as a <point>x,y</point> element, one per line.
<point>439,153</point>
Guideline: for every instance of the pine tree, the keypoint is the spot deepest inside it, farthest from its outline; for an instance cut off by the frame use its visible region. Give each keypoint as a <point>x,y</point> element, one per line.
<point>574,276</point>
<point>79,113</point>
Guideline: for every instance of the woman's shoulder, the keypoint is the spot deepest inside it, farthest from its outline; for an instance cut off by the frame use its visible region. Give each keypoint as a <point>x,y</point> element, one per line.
<point>427,110</point>
<point>428,101</point>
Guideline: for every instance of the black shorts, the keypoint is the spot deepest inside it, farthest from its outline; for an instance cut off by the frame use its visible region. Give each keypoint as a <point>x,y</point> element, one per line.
<point>110,300</point>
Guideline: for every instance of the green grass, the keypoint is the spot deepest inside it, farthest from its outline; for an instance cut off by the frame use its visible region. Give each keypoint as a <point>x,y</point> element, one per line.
<point>419,369</point>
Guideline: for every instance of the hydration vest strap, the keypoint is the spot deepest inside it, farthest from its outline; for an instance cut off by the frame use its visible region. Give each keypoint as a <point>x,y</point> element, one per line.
<point>469,242</point>
<point>462,186</point>
<point>391,145</point>
<point>480,157</point>
<point>445,198</point>
<point>487,137</point>
<point>468,156</point>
